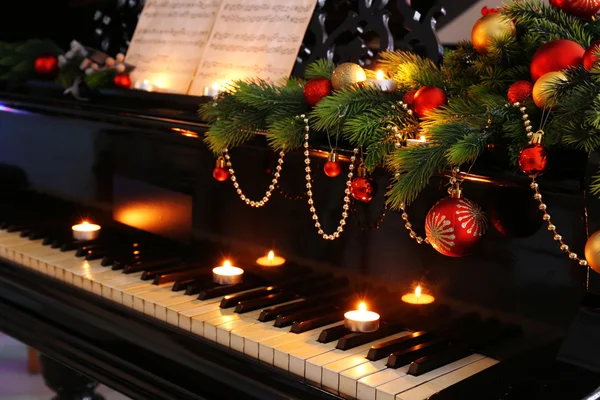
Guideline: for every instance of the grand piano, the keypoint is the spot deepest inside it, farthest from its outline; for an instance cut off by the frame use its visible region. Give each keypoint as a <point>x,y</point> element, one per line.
<point>136,309</point>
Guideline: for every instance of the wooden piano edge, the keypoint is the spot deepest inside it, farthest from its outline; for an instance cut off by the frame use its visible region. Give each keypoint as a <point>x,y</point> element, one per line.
<point>102,339</point>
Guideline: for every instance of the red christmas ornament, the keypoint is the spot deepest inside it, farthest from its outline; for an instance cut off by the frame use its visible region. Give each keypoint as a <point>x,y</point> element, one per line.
<point>220,173</point>
<point>487,11</point>
<point>519,91</point>
<point>580,8</point>
<point>533,159</point>
<point>409,97</point>
<point>555,56</point>
<point>454,226</point>
<point>46,66</point>
<point>362,189</point>
<point>589,57</point>
<point>332,167</point>
<point>122,81</point>
<point>316,89</point>
<point>428,98</point>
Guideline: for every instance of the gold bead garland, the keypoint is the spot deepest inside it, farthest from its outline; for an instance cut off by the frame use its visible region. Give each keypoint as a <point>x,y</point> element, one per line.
<point>538,196</point>
<point>311,202</point>
<point>236,185</point>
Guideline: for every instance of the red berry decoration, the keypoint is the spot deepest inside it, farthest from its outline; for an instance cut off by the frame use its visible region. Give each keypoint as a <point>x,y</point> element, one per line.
<point>409,97</point>
<point>220,173</point>
<point>555,56</point>
<point>580,8</point>
<point>487,11</point>
<point>454,226</point>
<point>46,66</point>
<point>589,57</point>
<point>426,99</point>
<point>316,89</point>
<point>332,167</point>
<point>122,81</point>
<point>519,91</point>
<point>533,159</point>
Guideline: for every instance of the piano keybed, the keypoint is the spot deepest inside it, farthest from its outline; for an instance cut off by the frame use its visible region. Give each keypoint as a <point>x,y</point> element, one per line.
<point>288,317</point>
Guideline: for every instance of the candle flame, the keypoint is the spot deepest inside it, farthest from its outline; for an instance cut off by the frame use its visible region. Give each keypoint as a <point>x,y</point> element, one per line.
<point>227,264</point>
<point>215,86</point>
<point>362,307</point>
<point>418,291</point>
<point>85,223</point>
<point>379,74</point>
<point>271,255</point>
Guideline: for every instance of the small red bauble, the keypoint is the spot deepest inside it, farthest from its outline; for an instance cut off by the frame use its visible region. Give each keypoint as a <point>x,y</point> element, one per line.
<point>454,226</point>
<point>487,10</point>
<point>427,99</point>
<point>580,8</point>
<point>555,56</point>
<point>46,66</point>
<point>409,97</point>
<point>332,169</point>
<point>220,174</point>
<point>122,81</point>
<point>362,188</point>
<point>533,159</point>
<point>316,89</point>
<point>519,91</point>
<point>589,57</point>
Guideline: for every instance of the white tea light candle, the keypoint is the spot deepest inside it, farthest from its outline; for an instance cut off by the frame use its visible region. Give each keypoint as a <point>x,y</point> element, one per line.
<point>227,274</point>
<point>85,231</point>
<point>361,320</point>
<point>271,260</point>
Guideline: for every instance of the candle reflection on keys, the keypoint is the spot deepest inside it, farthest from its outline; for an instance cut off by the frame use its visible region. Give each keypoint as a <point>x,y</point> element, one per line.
<point>271,260</point>
<point>361,320</point>
<point>227,274</point>
<point>85,231</point>
<point>418,297</point>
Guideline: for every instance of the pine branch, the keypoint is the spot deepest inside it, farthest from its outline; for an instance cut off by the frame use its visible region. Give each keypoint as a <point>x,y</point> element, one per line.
<point>595,185</point>
<point>411,70</point>
<point>320,68</point>
<point>286,134</point>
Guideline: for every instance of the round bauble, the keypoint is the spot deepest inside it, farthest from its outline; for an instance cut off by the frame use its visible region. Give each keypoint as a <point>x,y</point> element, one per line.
<point>589,57</point>
<point>533,159</point>
<point>220,174</point>
<point>592,251</point>
<point>555,56</point>
<point>580,8</point>
<point>409,97</point>
<point>347,74</point>
<point>332,168</point>
<point>46,66</point>
<point>454,226</point>
<point>426,99</point>
<point>362,188</point>
<point>122,81</point>
<point>316,89</point>
<point>541,93</point>
<point>487,10</point>
<point>491,27</point>
<point>519,91</point>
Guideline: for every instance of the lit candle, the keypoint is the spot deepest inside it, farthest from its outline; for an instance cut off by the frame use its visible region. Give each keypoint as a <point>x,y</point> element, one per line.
<point>227,274</point>
<point>85,231</point>
<point>418,297</point>
<point>415,142</point>
<point>385,85</point>
<point>271,260</point>
<point>361,320</point>
<point>212,91</point>
<point>143,85</point>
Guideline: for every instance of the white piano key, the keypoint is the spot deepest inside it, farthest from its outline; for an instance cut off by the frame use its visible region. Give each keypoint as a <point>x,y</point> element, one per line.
<point>389,390</point>
<point>212,327</point>
<point>298,355</point>
<point>456,376</point>
<point>367,386</point>
<point>266,348</point>
<point>45,264</point>
<point>107,287</point>
<point>348,379</point>
<point>148,289</point>
<point>197,322</point>
<point>223,336</point>
<point>421,392</point>
<point>123,294</point>
<point>173,311</point>
<point>193,318</point>
<point>246,340</point>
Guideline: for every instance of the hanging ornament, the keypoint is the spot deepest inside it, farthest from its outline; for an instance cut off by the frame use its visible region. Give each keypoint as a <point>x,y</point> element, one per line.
<point>592,251</point>
<point>362,187</point>
<point>347,74</point>
<point>332,167</point>
<point>487,10</point>
<point>490,28</point>
<point>589,57</point>
<point>542,90</point>
<point>580,8</point>
<point>519,91</point>
<point>220,173</point>
<point>454,225</point>
<point>426,99</point>
<point>555,56</point>
<point>409,97</point>
<point>533,158</point>
<point>46,66</point>
<point>122,81</point>
<point>315,89</point>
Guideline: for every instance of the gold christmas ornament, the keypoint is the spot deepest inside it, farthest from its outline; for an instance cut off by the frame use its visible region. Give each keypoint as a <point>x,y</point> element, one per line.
<point>347,74</point>
<point>592,251</point>
<point>490,27</point>
<point>541,90</point>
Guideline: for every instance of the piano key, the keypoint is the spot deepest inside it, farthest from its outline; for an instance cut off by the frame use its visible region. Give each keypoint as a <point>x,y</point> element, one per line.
<point>348,379</point>
<point>384,349</point>
<point>262,302</point>
<point>356,339</point>
<point>335,333</point>
<point>233,300</point>
<point>221,291</point>
<point>436,360</point>
<point>149,274</point>
<point>272,313</point>
<point>150,265</point>
<point>188,273</point>
<point>403,357</point>
<point>304,315</point>
<point>317,322</point>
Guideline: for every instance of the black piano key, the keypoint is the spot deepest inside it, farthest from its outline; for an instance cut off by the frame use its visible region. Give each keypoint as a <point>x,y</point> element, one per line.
<point>439,359</point>
<point>129,255</point>
<point>317,322</point>
<point>383,350</point>
<point>322,286</point>
<point>303,315</point>
<point>262,302</point>
<point>26,232</point>
<point>404,357</point>
<point>195,286</point>
<point>220,290</point>
<point>356,339</point>
<point>15,228</point>
<point>334,333</point>
<point>121,262</point>
<point>150,274</point>
<point>271,313</point>
<point>150,265</point>
<point>184,273</point>
<point>37,235</point>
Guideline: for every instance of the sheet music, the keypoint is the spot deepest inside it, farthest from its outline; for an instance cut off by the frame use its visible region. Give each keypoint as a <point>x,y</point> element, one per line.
<point>169,41</point>
<point>253,39</point>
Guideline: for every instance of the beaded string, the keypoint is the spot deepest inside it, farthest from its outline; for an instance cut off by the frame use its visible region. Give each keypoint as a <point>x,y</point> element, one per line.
<point>538,196</point>
<point>311,202</point>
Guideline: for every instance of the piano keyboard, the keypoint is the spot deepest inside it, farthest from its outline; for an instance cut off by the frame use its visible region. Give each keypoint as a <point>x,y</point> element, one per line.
<point>293,322</point>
